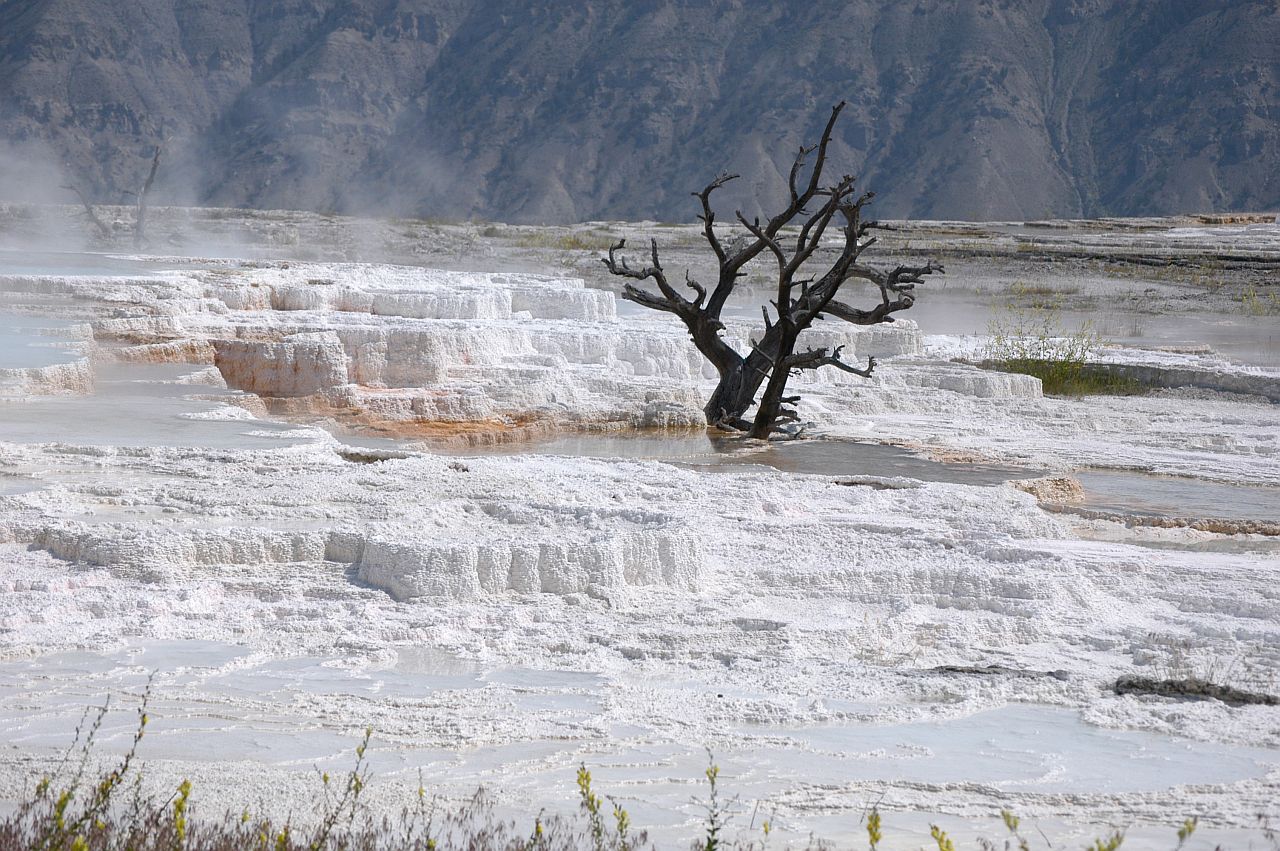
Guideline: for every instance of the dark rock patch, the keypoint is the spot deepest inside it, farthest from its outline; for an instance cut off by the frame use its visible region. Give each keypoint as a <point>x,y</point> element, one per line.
<point>1193,689</point>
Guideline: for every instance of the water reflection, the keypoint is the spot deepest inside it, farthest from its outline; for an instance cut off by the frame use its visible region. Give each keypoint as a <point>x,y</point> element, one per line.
<point>33,341</point>
<point>135,405</point>
<point>1129,492</point>
<point>705,451</point>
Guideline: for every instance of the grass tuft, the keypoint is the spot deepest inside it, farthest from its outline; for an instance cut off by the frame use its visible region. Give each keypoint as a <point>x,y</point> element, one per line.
<point>1030,340</point>
<point>77,810</point>
<point>573,241</point>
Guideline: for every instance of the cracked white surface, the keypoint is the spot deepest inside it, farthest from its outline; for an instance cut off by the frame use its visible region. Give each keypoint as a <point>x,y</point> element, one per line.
<point>498,619</point>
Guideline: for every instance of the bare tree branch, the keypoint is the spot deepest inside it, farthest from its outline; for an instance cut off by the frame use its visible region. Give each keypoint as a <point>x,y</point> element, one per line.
<point>875,316</point>
<point>795,171</point>
<point>906,277</point>
<point>798,201</point>
<point>697,288</point>
<point>817,358</point>
<point>708,216</point>
<point>618,266</point>
<point>811,232</point>
<point>103,230</point>
<point>647,299</point>
<point>139,227</point>
<point>772,244</point>
<point>730,267</point>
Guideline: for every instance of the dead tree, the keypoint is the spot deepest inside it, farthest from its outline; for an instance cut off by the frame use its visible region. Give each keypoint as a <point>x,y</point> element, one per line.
<point>104,231</point>
<point>140,220</point>
<point>803,295</point>
<point>140,215</point>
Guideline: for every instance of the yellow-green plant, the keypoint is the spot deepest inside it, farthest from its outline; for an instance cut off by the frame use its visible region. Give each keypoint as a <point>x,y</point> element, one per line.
<point>65,826</point>
<point>717,809</point>
<point>1039,296</point>
<point>571,241</point>
<point>1011,823</point>
<point>1259,304</point>
<point>168,826</point>
<point>1111,843</point>
<point>180,814</point>
<point>622,822</point>
<point>417,823</point>
<point>591,805</point>
<point>873,828</point>
<point>537,837</point>
<point>334,806</point>
<point>1184,832</point>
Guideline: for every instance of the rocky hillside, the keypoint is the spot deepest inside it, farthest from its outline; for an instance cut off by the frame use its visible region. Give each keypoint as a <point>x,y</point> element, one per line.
<point>531,110</point>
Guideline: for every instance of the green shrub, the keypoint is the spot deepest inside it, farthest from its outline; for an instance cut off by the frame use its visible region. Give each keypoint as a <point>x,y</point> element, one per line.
<point>1031,340</point>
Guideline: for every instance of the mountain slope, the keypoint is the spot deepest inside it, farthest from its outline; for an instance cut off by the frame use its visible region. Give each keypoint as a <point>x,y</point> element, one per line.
<point>531,110</point>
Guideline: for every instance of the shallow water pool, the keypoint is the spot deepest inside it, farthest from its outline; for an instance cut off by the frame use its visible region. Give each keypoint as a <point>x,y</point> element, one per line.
<point>826,457</point>
<point>32,341</point>
<point>141,405</point>
<point>24,262</point>
<point>1136,493</point>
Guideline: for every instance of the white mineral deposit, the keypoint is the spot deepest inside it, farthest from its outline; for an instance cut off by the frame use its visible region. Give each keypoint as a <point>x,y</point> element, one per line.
<point>480,513</point>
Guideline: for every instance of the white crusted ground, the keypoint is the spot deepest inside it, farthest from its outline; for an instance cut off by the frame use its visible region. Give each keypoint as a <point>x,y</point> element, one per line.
<point>498,619</point>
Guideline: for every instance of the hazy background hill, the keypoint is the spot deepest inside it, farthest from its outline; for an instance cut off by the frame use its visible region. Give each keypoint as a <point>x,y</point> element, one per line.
<point>540,111</point>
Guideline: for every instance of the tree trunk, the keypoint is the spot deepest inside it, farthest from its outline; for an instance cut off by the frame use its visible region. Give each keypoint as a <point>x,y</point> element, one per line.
<point>800,299</point>
<point>771,402</point>
<point>736,392</point>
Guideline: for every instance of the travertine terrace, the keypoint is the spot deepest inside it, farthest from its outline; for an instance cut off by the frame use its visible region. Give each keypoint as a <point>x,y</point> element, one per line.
<point>318,489</point>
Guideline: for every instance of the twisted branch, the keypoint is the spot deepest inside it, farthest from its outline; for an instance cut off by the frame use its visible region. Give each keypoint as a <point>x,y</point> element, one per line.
<point>906,277</point>
<point>103,230</point>
<point>139,226</point>
<point>818,358</point>
<point>675,303</point>
<point>708,216</point>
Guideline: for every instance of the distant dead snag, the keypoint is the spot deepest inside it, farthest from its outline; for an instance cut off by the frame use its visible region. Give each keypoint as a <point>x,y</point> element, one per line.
<point>140,222</point>
<point>801,298</point>
<point>140,216</point>
<point>103,229</point>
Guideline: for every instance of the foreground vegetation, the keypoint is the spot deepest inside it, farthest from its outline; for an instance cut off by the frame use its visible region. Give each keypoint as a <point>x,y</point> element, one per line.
<point>1028,337</point>
<point>76,809</point>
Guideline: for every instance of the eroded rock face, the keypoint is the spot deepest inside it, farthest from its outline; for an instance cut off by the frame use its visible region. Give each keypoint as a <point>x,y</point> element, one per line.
<point>956,110</point>
<point>1062,490</point>
<point>406,348</point>
<point>968,381</point>
<point>180,351</point>
<point>299,365</point>
<point>62,379</point>
<point>414,527</point>
<point>464,570</point>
